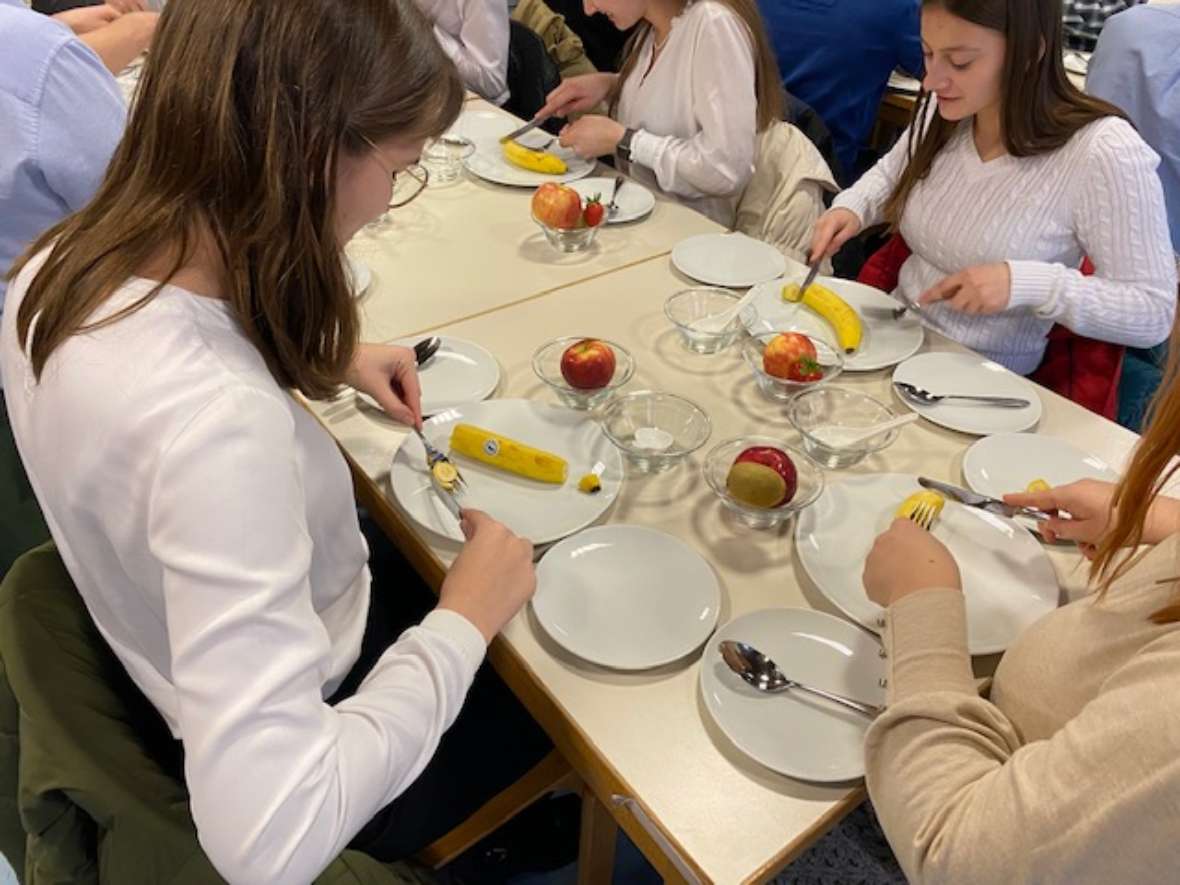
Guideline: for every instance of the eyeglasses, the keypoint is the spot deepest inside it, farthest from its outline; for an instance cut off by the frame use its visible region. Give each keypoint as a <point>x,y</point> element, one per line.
<point>407,184</point>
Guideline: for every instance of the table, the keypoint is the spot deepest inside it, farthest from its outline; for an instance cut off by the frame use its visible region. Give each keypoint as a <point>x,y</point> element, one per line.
<point>643,741</point>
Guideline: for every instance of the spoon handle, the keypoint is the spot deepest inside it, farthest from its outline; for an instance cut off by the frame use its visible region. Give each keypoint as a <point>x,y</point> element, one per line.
<point>870,710</point>
<point>1010,402</point>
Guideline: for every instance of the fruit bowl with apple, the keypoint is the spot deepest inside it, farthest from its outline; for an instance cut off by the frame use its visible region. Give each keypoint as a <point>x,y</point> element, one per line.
<point>761,480</point>
<point>583,372</point>
<point>785,363</point>
<point>569,223</point>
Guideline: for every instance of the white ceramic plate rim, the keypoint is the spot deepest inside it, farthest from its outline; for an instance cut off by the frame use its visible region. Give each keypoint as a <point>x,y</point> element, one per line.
<point>1022,387</point>
<point>862,616</point>
<point>981,452</point>
<point>544,599</point>
<point>432,406</point>
<point>848,633</point>
<point>487,162</point>
<point>611,457</point>
<point>631,192</point>
<point>855,294</point>
<point>688,246</point>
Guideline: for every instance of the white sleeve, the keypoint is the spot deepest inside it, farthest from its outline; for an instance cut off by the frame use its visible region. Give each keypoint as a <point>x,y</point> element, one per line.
<point>280,782</point>
<point>867,198</point>
<point>719,159</point>
<point>480,48</point>
<point>1122,226</point>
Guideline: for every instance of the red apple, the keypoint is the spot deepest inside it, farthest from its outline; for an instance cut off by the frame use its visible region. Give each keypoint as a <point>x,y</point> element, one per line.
<point>785,351</point>
<point>763,476</point>
<point>557,205</point>
<point>588,364</point>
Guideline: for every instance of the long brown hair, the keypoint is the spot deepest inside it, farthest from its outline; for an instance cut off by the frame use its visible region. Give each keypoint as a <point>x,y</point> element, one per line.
<point>1041,109</point>
<point>767,82</point>
<point>243,110</point>
<point>1150,470</point>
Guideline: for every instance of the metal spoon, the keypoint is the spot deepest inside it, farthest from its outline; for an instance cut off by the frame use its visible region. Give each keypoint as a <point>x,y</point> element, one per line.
<point>426,348</point>
<point>761,672</point>
<point>926,398</point>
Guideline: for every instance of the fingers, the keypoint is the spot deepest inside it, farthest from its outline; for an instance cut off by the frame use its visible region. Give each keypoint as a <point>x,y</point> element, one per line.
<point>411,390</point>
<point>948,288</point>
<point>470,521</point>
<point>393,406</point>
<point>1048,500</point>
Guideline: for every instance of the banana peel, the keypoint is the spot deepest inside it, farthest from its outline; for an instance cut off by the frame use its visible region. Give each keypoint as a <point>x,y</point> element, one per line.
<point>834,310</point>
<point>533,160</point>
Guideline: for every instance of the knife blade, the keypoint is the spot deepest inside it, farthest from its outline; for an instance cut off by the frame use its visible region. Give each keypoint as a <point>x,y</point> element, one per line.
<point>969,498</point>
<point>527,127</point>
<point>613,206</point>
<point>812,273</point>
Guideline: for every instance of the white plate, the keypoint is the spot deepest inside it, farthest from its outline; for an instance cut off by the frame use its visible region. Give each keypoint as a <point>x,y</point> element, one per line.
<point>635,201</point>
<point>792,733</point>
<point>358,274</point>
<point>999,465</point>
<point>969,373</point>
<point>886,341</point>
<point>541,512</point>
<point>733,260</point>
<point>1007,579</point>
<point>459,372</point>
<point>626,597</point>
<point>484,129</point>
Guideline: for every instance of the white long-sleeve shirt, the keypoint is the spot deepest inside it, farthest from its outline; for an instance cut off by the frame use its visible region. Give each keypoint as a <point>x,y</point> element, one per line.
<point>1097,196</point>
<point>695,111</point>
<point>209,524</point>
<point>474,33</point>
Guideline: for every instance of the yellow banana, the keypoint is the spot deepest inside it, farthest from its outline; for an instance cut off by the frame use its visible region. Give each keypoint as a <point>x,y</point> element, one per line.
<point>922,508</point>
<point>1038,485</point>
<point>507,454</point>
<point>445,473</point>
<point>534,161</point>
<point>838,313</point>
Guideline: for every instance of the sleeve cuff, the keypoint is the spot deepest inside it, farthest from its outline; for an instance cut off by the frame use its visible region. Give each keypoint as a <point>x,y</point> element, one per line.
<point>646,148</point>
<point>1034,284</point>
<point>926,642</point>
<point>461,633</point>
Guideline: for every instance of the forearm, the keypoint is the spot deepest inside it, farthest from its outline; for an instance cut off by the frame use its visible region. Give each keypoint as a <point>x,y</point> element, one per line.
<point>122,40</point>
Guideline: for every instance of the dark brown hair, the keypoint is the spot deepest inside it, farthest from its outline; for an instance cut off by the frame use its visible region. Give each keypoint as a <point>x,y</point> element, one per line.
<point>1041,109</point>
<point>243,109</point>
<point>767,81</point>
<point>1150,471</point>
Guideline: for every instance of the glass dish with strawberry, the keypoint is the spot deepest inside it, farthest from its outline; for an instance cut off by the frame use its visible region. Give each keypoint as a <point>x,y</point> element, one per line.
<point>569,223</point>
<point>784,363</point>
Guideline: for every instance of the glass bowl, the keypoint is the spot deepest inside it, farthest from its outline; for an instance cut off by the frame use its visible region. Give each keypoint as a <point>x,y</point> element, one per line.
<point>830,359</point>
<point>444,158</point>
<point>572,239</point>
<point>809,479</point>
<point>689,306</point>
<point>812,411</point>
<point>547,365</point>
<point>655,430</point>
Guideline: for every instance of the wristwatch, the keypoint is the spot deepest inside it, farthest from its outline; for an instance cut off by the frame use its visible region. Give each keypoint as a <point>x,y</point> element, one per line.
<point>624,146</point>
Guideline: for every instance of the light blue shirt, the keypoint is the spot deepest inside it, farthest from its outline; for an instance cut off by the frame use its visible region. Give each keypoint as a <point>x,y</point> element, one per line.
<point>61,116</point>
<point>1137,67</point>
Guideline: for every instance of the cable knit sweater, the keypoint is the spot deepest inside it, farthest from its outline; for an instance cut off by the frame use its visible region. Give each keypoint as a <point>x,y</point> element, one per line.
<point>1099,196</point>
<point>1070,774</point>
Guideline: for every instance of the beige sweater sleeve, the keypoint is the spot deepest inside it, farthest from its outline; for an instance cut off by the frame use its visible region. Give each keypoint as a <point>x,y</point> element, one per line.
<point>963,800</point>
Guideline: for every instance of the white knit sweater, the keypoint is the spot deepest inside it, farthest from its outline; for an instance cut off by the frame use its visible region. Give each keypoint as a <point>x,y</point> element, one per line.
<point>1098,196</point>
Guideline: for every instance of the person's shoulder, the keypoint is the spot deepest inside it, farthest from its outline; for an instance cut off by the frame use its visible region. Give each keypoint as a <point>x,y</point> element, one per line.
<point>709,13</point>
<point>1141,24</point>
<point>1108,138</point>
<point>29,42</point>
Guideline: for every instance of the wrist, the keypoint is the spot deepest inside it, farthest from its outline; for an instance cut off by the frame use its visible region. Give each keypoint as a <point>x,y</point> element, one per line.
<point>1163,520</point>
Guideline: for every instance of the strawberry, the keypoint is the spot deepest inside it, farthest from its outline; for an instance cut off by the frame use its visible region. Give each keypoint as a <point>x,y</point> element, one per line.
<point>805,370</point>
<point>593,212</point>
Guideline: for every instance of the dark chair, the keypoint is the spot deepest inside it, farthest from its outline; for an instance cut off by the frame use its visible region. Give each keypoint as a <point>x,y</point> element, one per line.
<point>804,117</point>
<point>532,74</point>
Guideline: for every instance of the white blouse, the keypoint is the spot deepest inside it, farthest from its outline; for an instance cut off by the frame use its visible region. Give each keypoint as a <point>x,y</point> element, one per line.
<point>209,523</point>
<point>695,111</point>
<point>474,33</point>
<point>1097,196</point>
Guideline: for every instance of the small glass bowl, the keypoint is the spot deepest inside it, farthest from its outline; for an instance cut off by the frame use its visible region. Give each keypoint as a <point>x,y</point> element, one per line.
<point>821,407</point>
<point>689,306</point>
<point>444,157</point>
<point>830,359</point>
<point>547,365</point>
<point>809,479</point>
<point>573,239</point>
<point>655,430</point>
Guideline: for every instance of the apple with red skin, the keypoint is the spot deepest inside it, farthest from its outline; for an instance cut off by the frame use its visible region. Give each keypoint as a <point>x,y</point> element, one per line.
<point>791,355</point>
<point>588,364</point>
<point>557,206</point>
<point>763,476</point>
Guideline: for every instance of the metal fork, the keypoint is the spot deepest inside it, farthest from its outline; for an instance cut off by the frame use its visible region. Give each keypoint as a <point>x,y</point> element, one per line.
<point>922,508</point>
<point>448,494</point>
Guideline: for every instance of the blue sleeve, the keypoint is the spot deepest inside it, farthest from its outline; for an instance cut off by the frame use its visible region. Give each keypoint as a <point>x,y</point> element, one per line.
<point>82,116</point>
<point>910,58</point>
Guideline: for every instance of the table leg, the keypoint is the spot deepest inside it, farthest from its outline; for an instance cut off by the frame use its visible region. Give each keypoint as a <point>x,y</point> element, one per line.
<point>596,848</point>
